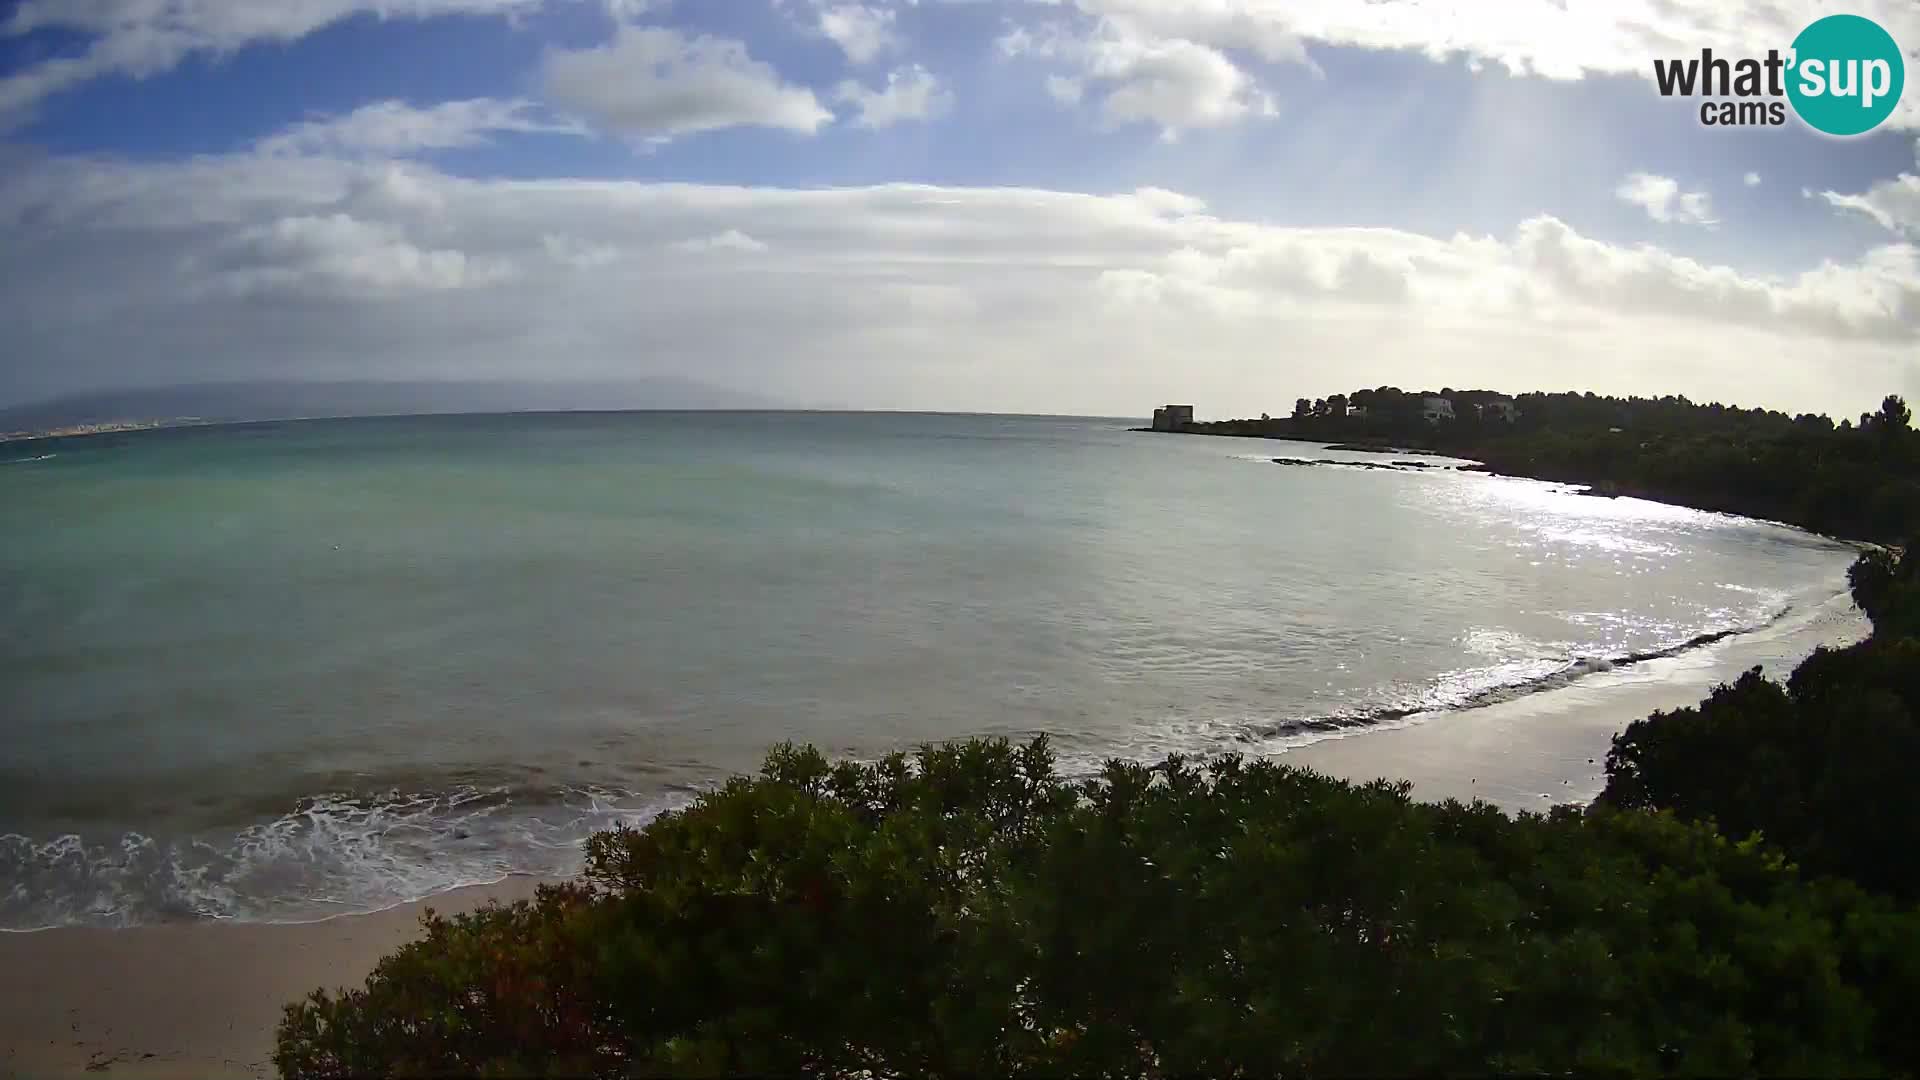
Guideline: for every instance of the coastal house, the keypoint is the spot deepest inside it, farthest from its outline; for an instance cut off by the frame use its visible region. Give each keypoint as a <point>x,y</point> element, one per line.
<point>1498,409</point>
<point>1434,409</point>
<point>1358,412</point>
<point>1172,417</point>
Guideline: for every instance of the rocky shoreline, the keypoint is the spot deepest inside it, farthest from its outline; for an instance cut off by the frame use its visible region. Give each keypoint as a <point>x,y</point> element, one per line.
<point>1397,466</point>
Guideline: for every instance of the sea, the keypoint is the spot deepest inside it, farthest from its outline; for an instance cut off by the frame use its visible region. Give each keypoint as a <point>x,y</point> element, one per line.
<point>277,672</point>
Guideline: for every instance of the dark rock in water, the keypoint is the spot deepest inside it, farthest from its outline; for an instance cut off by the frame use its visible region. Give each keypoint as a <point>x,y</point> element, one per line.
<point>1397,466</point>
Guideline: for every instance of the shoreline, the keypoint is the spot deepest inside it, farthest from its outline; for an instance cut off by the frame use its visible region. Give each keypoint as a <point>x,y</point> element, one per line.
<point>189,999</point>
<point>1600,490</point>
<point>1303,736</point>
<point>203,999</point>
<point>1480,468</point>
<point>1538,751</point>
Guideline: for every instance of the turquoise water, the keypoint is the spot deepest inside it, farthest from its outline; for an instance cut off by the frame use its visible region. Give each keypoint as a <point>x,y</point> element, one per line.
<point>280,671</point>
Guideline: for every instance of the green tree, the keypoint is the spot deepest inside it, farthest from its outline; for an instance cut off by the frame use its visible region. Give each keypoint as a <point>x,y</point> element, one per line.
<point>970,912</point>
<point>1894,414</point>
<point>1810,765</point>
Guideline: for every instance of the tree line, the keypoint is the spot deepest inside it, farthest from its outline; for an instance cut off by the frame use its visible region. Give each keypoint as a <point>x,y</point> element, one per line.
<point>1857,479</point>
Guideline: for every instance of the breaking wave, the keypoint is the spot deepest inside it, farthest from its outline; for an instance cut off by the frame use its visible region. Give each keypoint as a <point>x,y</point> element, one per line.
<point>1456,695</point>
<point>333,854</point>
<point>341,854</point>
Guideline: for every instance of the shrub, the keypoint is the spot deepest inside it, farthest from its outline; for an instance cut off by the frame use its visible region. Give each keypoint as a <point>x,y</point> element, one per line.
<point>1818,766</point>
<point>970,912</point>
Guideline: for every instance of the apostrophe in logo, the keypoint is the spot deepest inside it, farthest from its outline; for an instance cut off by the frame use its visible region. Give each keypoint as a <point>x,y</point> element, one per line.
<point>1843,76</point>
<point>1847,75</point>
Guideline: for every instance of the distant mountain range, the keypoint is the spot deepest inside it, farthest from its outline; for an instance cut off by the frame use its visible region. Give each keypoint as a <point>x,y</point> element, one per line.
<point>289,400</point>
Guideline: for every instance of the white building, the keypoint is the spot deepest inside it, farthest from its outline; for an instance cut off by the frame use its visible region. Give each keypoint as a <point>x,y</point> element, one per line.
<point>1435,409</point>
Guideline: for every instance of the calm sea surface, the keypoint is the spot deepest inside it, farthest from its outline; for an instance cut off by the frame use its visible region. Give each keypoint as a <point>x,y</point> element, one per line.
<point>282,671</point>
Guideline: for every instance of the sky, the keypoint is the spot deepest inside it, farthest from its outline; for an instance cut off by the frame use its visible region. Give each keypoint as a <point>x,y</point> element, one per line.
<point>1059,206</point>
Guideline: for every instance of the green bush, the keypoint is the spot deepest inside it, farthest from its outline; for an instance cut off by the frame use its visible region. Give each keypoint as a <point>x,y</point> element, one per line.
<point>969,912</point>
<point>1816,766</point>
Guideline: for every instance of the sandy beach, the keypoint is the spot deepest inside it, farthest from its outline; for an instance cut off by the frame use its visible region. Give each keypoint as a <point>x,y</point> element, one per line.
<point>202,1000</point>
<point>184,1001</point>
<point>1544,749</point>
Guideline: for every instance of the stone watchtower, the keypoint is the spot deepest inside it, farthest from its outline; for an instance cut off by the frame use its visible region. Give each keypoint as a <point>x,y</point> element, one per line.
<point>1172,417</point>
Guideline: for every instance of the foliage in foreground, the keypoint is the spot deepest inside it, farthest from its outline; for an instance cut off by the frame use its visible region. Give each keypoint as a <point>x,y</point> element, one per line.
<point>970,912</point>
<point>1822,766</point>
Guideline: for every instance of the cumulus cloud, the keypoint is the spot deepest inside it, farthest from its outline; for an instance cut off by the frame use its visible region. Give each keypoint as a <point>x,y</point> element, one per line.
<point>1064,90</point>
<point>1752,179</point>
<point>140,38</point>
<point>1893,204</point>
<point>1662,199</point>
<point>577,252</point>
<point>904,296</point>
<point>1243,26</point>
<point>730,240</point>
<point>656,83</point>
<point>396,128</point>
<point>1547,38</point>
<point>911,93</point>
<point>311,255</point>
<point>1172,83</point>
<point>633,10</point>
<point>862,31</point>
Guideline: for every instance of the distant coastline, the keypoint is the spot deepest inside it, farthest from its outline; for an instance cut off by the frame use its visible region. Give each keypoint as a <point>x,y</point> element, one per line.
<point>1851,481</point>
<point>77,430</point>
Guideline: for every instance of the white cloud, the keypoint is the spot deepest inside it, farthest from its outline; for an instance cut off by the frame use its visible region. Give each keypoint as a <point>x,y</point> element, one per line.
<point>862,31</point>
<point>1171,82</point>
<point>307,255</point>
<point>912,93</point>
<point>902,296</point>
<point>632,10</point>
<point>1064,90</point>
<point>1549,38</point>
<point>1243,26</point>
<point>730,240</point>
<point>396,128</point>
<point>1893,204</point>
<point>1162,202</point>
<point>141,38</point>
<point>656,83</point>
<point>1752,179</point>
<point>1662,199</point>
<point>578,253</point>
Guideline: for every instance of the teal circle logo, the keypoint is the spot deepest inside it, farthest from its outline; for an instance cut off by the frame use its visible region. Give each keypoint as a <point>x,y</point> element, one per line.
<point>1846,75</point>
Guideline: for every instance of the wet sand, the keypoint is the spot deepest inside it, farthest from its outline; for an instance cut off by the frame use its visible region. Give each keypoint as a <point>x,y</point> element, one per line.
<point>1541,749</point>
<point>191,1000</point>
